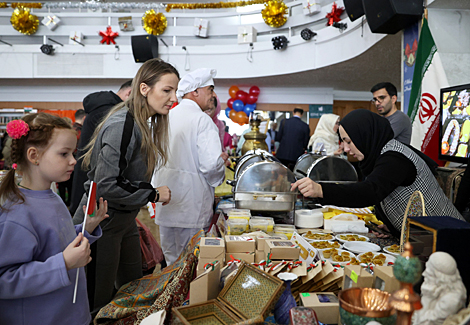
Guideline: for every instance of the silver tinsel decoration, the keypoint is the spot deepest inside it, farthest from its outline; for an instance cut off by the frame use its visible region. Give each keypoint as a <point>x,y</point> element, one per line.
<point>95,5</point>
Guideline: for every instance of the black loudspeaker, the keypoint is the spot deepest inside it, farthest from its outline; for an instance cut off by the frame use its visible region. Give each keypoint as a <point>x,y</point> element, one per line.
<point>144,47</point>
<point>391,16</point>
<point>354,9</point>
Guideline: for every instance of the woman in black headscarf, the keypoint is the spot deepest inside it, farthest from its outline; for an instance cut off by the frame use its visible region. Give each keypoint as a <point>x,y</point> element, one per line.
<point>392,170</point>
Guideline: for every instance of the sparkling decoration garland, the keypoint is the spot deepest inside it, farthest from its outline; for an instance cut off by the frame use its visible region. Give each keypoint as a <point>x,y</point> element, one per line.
<point>24,22</point>
<point>274,13</point>
<point>213,5</point>
<point>154,23</point>
<point>35,5</point>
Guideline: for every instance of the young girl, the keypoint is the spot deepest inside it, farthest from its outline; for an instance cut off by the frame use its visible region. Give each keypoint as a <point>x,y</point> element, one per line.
<point>121,158</point>
<point>41,251</point>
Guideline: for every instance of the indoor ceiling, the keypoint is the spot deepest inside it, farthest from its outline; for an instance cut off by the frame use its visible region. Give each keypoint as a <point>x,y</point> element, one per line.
<point>380,63</point>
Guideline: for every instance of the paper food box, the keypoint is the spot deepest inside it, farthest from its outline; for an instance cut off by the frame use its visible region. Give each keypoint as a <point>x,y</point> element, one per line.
<point>311,7</point>
<point>240,244</point>
<point>261,241</point>
<point>325,305</point>
<point>205,286</point>
<point>385,280</point>
<point>281,250</point>
<point>246,34</point>
<point>247,257</point>
<point>259,256</point>
<point>203,261</point>
<point>355,276</point>
<point>236,304</point>
<point>211,247</point>
<point>201,27</point>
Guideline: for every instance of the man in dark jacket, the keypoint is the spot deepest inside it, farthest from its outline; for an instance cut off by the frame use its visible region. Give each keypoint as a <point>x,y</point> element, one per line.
<point>293,136</point>
<point>96,105</point>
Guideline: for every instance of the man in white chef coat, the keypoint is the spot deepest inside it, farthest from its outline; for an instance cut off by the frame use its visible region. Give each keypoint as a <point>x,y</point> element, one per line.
<point>196,164</point>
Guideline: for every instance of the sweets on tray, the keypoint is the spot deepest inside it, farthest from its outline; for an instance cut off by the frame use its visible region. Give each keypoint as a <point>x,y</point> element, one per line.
<point>352,238</point>
<point>394,248</point>
<point>318,236</point>
<point>325,244</point>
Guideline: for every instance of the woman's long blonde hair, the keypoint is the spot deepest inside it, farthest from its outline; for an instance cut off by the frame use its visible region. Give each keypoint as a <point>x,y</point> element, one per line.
<point>154,137</point>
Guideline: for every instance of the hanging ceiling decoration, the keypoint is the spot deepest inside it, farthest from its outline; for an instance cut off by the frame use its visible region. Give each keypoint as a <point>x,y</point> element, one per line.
<point>14,5</point>
<point>274,13</point>
<point>24,22</point>
<point>213,5</point>
<point>154,23</point>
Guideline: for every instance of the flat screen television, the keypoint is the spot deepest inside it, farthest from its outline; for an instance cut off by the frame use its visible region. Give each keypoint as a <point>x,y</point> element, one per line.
<point>454,129</point>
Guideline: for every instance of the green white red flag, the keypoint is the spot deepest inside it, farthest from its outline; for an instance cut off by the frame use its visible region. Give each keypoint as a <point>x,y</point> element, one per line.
<point>428,79</point>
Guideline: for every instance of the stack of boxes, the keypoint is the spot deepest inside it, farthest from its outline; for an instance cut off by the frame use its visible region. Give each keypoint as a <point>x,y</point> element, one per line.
<point>240,248</point>
<point>211,249</point>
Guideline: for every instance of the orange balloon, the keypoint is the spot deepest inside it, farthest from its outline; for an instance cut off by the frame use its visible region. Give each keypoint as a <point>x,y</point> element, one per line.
<point>246,119</point>
<point>233,91</point>
<point>241,116</point>
<point>233,115</point>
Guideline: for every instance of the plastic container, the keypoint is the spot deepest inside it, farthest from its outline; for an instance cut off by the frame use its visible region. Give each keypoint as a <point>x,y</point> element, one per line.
<point>287,230</point>
<point>239,214</point>
<point>270,220</point>
<point>236,226</point>
<point>259,225</point>
<point>309,218</point>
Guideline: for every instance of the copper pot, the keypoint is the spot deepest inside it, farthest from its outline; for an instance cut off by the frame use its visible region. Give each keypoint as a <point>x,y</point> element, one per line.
<point>366,302</point>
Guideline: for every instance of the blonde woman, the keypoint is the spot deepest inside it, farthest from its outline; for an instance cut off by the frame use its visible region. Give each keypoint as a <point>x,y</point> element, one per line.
<point>121,157</point>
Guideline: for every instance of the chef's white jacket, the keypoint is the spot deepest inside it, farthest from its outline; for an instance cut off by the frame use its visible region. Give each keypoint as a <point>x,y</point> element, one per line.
<point>193,170</point>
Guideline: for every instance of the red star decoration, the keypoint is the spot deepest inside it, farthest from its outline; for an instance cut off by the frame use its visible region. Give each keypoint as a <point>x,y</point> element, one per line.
<point>333,16</point>
<point>108,36</point>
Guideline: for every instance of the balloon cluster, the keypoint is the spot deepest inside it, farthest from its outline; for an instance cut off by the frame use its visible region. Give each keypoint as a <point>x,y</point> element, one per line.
<point>241,104</point>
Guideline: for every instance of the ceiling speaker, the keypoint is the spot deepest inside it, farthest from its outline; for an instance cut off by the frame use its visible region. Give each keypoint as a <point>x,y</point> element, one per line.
<point>144,47</point>
<point>354,9</point>
<point>391,16</point>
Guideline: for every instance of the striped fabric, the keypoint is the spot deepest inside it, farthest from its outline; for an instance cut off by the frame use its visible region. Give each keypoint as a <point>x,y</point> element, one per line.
<point>436,202</point>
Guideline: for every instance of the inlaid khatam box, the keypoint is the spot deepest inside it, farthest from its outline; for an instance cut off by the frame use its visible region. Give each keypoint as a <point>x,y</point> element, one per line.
<point>247,299</point>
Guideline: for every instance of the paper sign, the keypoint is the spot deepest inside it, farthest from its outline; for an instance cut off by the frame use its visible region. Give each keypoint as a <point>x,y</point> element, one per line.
<point>308,253</point>
<point>305,294</point>
<point>354,276</point>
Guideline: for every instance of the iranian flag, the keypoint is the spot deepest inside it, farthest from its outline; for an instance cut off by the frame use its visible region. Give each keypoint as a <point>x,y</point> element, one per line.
<point>428,79</point>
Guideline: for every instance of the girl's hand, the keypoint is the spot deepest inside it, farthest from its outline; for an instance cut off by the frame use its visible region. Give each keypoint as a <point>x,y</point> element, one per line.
<point>340,150</point>
<point>77,253</point>
<point>100,215</point>
<point>165,194</point>
<point>308,187</point>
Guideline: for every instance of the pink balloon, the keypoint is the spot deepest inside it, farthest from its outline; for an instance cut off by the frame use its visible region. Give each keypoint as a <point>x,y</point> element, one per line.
<point>254,91</point>
<point>251,99</point>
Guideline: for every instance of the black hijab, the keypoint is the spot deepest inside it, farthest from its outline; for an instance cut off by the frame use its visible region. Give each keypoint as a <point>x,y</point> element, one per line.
<point>370,133</point>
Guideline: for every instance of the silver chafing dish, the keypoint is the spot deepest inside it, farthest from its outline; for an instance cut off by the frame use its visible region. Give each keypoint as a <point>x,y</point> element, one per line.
<point>304,163</point>
<point>332,169</point>
<point>251,157</point>
<point>265,186</point>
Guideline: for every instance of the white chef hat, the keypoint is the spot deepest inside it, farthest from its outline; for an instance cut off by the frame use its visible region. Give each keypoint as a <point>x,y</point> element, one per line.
<point>197,79</point>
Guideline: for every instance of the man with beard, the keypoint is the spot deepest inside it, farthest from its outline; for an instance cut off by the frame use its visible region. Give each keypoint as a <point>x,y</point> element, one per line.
<point>385,98</point>
<point>442,292</point>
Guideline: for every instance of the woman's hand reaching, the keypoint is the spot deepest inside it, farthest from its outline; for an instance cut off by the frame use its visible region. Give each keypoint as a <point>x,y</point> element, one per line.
<point>308,187</point>
<point>100,215</point>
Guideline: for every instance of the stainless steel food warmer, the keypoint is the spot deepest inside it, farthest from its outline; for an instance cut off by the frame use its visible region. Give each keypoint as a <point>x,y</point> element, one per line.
<point>332,169</point>
<point>251,157</point>
<point>265,186</point>
<point>304,163</point>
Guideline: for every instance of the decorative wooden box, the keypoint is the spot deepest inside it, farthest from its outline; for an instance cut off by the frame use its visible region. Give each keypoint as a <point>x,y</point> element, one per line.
<point>246,299</point>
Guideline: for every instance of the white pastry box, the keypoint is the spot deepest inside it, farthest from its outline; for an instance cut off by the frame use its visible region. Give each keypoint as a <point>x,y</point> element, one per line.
<point>201,27</point>
<point>246,34</point>
<point>311,7</point>
<point>345,223</point>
